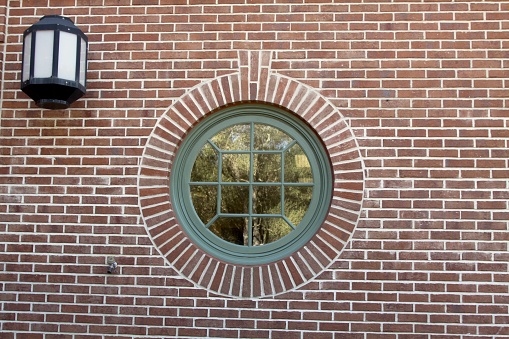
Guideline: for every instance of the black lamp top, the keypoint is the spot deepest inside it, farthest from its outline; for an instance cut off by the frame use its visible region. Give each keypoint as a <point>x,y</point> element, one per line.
<point>56,22</point>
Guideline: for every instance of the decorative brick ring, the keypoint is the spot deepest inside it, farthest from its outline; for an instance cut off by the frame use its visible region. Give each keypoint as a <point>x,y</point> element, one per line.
<point>253,83</point>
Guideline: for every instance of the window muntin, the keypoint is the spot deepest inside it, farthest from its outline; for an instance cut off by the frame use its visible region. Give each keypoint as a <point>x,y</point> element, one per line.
<point>251,184</point>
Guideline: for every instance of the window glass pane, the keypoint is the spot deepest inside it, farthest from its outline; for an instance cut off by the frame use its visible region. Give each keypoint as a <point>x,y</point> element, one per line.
<point>236,167</point>
<point>26,53</point>
<point>297,167</point>
<point>204,201</point>
<point>43,59</point>
<point>205,167</point>
<point>267,230</point>
<point>267,200</point>
<point>234,138</point>
<point>67,51</point>
<point>233,230</point>
<point>235,199</point>
<point>270,138</point>
<point>297,199</point>
<point>267,167</point>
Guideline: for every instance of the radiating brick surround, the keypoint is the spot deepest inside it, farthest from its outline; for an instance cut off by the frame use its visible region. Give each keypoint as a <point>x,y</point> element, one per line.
<point>254,81</point>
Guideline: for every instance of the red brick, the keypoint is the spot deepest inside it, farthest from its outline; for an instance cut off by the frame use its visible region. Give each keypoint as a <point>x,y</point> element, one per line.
<point>420,88</point>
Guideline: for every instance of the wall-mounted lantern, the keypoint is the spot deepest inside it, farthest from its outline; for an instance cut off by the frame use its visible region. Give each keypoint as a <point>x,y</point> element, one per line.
<point>54,62</point>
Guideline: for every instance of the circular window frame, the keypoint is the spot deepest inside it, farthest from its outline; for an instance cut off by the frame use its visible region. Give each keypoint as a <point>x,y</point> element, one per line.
<point>185,158</point>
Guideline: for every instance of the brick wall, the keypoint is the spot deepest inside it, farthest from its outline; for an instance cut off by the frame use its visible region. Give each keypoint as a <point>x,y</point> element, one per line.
<point>422,89</point>
<point>3,10</point>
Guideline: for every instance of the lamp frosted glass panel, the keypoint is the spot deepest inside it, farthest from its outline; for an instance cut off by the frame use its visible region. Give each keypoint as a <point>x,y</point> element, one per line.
<point>43,58</point>
<point>67,52</point>
<point>83,62</point>
<point>27,54</point>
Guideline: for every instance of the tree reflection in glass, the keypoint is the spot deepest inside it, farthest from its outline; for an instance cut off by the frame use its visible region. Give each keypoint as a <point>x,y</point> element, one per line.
<point>205,167</point>
<point>236,137</point>
<point>264,188</point>
<point>205,196</point>
<point>231,229</point>
<point>270,138</point>
<point>267,230</point>
<point>297,167</point>
<point>236,167</point>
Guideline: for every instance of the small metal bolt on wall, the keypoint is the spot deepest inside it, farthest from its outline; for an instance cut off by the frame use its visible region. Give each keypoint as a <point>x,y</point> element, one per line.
<point>112,265</point>
<point>54,62</point>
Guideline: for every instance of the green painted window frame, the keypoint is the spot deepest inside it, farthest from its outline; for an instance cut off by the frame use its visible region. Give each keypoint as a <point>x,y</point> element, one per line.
<point>180,183</point>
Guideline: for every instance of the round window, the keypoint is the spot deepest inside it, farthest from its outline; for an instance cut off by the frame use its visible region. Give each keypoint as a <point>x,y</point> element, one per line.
<point>251,184</point>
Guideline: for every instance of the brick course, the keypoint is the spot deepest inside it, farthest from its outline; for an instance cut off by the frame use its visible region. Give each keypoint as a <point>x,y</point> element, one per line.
<point>421,87</point>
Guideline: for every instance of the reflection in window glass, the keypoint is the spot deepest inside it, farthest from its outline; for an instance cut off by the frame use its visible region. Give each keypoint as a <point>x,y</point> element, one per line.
<point>235,199</point>
<point>296,202</point>
<point>270,138</point>
<point>205,201</point>
<point>205,167</point>
<point>297,167</point>
<point>251,160</point>
<point>236,167</point>
<point>268,230</point>
<point>232,230</point>
<point>266,199</point>
<point>267,167</point>
<point>234,138</point>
